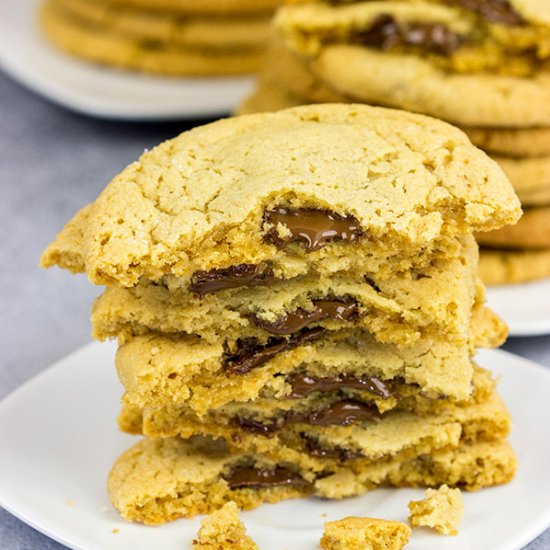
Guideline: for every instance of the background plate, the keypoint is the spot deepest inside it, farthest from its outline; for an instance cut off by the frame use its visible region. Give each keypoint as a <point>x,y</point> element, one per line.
<point>525,307</point>
<point>104,92</point>
<point>59,439</point>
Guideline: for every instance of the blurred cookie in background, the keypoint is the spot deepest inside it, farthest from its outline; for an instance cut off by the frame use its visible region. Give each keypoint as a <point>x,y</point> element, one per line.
<point>169,38</point>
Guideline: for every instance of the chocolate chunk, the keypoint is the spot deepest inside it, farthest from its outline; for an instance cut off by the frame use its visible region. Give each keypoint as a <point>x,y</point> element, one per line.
<point>250,354</point>
<point>207,282</point>
<point>315,448</point>
<point>386,33</point>
<point>341,413</point>
<point>299,319</point>
<point>254,426</point>
<point>259,479</point>
<point>303,385</point>
<point>494,11</point>
<point>312,228</point>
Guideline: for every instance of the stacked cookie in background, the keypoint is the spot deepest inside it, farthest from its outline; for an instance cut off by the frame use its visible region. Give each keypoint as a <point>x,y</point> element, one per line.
<point>481,65</point>
<point>297,307</point>
<point>520,253</point>
<point>171,37</point>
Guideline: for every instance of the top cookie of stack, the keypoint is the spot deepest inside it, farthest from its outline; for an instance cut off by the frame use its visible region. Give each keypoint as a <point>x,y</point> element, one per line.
<point>483,65</point>
<point>172,37</point>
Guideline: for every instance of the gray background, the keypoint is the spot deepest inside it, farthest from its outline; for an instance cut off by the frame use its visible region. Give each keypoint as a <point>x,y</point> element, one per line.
<point>52,162</point>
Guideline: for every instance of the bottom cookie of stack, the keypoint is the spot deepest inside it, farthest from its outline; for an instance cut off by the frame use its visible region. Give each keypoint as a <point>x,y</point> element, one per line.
<point>160,480</point>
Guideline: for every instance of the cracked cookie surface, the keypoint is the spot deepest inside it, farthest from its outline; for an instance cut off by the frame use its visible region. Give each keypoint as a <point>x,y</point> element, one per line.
<point>183,207</point>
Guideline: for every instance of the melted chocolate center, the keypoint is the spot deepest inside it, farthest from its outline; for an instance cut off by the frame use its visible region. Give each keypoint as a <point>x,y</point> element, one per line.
<point>385,33</point>
<point>341,413</point>
<point>495,11</point>
<point>250,354</point>
<point>309,227</point>
<point>207,282</point>
<point>251,477</point>
<point>314,448</point>
<point>299,319</point>
<point>303,385</point>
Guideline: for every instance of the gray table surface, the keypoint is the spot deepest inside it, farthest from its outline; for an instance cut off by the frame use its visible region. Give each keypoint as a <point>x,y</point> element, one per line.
<point>52,162</point>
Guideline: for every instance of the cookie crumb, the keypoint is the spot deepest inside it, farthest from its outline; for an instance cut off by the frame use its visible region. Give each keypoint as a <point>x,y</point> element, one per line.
<point>354,533</point>
<point>224,529</point>
<point>441,509</point>
<point>116,531</point>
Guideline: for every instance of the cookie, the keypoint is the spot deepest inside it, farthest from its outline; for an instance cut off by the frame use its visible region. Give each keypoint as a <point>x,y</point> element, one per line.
<point>204,7</point>
<point>530,178</point>
<point>207,32</point>
<point>404,79</point>
<point>395,309</point>
<point>411,83</point>
<point>224,529</point>
<point>354,533</point>
<point>441,509</point>
<point>511,142</point>
<point>160,480</point>
<point>425,184</point>
<point>159,370</point>
<point>346,432</point>
<point>531,232</point>
<point>500,267</point>
<point>125,52</point>
<point>451,39</point>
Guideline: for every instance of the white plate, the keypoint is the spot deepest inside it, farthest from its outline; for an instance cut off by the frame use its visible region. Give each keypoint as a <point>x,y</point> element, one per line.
<point>100,91</point>
<point>59,440</point>
<point>525,307</point>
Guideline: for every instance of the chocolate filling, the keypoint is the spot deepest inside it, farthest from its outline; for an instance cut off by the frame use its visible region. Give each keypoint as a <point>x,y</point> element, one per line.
<point>494,11</point>
<point>341,413</point>
<point>250,354</point>
<point>309,227</point>
<point>207,282</point>
<point>386,33</point>
<point>260,479</point>
<point>303,385</point>
<point>301,318</point>
<point>314,448</point>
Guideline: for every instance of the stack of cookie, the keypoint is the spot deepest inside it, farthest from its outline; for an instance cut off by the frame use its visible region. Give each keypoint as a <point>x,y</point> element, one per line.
<point>482,65</point>
<point>170,37</point>
<point>297,306</point>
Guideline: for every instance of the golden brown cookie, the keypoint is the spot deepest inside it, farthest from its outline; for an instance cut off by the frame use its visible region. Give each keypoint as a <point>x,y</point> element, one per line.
<point>531,232</point>
<point>511,142</point>
<point>194,31</point>
<point>425,183</point>
<point>211,7</point>
<point>500,267</point>
<point>160,480</point>
<point>530,178</point>
<point>116,50</point>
